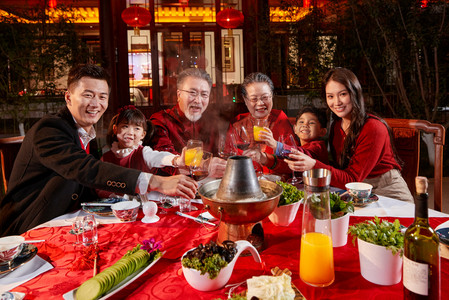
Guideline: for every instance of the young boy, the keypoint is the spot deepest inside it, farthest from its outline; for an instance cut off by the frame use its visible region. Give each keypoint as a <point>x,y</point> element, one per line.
<point>310,127</point>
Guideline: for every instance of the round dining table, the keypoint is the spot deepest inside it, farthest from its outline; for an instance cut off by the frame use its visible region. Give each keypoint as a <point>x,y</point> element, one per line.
<point>165,280</point>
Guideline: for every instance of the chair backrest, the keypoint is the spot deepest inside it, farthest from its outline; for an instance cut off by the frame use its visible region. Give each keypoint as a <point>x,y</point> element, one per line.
<point>407,142</point>
<point>9,147</point>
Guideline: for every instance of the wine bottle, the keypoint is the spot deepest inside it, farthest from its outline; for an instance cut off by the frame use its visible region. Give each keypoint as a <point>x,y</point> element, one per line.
<point>421,265</point>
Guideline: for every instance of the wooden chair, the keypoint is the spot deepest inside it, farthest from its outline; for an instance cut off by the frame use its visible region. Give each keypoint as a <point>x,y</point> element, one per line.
<point>407,142</point>
<point>9,147</point>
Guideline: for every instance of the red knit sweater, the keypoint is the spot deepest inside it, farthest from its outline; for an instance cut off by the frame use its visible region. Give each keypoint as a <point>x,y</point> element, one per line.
<point>373,154</point>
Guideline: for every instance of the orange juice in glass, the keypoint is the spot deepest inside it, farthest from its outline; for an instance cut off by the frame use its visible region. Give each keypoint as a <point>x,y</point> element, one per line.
<point>259,125</point>
<point>316,259</point>
<point>193,157</point>
<point>193,153</point>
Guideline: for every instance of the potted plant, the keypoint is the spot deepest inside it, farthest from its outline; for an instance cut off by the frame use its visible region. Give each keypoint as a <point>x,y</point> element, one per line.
<point>284,214</point>
<point>380,245</point>
<point>340,219</point>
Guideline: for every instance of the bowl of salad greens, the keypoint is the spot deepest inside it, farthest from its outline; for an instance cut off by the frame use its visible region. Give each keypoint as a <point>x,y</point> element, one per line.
<point>209,267</point>
<point>285,213</point>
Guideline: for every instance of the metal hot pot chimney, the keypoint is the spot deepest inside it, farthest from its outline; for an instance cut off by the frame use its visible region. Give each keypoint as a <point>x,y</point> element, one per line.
<point>240,201</point>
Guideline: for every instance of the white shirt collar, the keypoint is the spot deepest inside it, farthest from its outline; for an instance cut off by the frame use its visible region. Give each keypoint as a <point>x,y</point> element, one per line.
<point>123,152</point>
<point>85,136</point>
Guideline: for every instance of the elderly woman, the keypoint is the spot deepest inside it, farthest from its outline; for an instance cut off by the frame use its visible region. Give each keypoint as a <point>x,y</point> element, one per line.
<point>257,91</point>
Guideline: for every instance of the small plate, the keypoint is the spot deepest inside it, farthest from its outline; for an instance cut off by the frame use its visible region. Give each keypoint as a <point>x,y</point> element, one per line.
<point>443,234</point>
<point>125,282</point>
<point>103,211</point>
<point>28,252</point>
<point>372,198</point>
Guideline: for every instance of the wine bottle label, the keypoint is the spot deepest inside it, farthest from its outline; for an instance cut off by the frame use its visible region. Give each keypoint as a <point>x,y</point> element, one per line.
<point>415,276</point>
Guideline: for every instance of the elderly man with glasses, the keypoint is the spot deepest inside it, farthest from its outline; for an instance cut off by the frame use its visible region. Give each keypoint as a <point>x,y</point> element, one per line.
<point>187,120</point>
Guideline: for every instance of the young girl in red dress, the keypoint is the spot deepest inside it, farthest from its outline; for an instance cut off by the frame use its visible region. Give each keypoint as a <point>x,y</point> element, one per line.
<point>126,132</point>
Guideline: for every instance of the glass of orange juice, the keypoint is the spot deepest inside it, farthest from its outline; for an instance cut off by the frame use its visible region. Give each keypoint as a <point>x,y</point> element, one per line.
<point>259,125</point>
<point>193,153</point>
<point>316,259</point>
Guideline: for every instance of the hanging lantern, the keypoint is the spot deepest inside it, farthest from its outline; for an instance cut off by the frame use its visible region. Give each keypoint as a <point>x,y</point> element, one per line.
<point>230,18</point>
<point>52,3</point>
<point>136,17</point>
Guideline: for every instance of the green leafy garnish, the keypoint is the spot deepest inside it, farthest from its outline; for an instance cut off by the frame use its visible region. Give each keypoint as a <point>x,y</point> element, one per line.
<point>379,232</point>
<point>211,265</point>
<point>339,207</point>
<point>290,195</point>
<point>133,250</point>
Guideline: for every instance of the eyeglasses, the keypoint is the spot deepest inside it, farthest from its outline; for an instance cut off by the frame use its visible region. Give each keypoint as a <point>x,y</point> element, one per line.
<point>193,94</point>
<point>264,98</point>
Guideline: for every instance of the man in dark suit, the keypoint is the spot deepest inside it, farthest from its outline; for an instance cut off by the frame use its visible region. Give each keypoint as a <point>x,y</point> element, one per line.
<point>53,170</point>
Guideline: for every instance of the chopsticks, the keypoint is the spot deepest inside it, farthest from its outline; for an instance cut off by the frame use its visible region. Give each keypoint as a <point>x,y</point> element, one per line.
<point>195,219</point>
<point>96,204</point>
<point>34,241</point>
<point>95,266</point>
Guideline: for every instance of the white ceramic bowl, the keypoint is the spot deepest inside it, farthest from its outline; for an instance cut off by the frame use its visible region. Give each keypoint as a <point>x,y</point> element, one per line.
<point>359,191</point>
<point>284,215</point>
<point>126,211</point>
<point>10,247</point>
<point>204,283</point>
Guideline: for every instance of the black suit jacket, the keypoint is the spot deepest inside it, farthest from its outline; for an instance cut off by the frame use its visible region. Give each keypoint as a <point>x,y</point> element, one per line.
<point>52,173</point>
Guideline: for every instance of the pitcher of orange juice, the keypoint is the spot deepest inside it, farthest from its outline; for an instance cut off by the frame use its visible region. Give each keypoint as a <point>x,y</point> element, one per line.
<point>316,260</point>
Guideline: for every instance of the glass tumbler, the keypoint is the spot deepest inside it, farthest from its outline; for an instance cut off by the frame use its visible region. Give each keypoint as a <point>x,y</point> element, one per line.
<point>89,233</point>
<point>184,205</point>
<point>316,261</point>
<point>259,125</point>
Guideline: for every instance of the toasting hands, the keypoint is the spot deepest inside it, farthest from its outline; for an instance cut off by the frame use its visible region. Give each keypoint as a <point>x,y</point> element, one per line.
<point>300,162</point>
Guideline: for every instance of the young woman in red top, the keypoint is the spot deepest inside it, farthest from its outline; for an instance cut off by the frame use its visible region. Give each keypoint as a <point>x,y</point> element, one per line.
<point>361,144</point>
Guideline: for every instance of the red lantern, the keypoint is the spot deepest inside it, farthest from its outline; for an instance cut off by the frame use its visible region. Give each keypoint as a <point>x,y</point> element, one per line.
<point>136,17</point>
<point>52,3</point>
<point>230,18</point>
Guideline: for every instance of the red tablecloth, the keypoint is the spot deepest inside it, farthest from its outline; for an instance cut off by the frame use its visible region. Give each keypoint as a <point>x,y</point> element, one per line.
<point>165,279</point>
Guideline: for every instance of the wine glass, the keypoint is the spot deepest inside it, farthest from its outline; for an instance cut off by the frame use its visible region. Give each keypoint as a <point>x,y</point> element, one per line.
<point>289,145</point>
<point>163,199</point>
<point>244,139</point>
<point>77,228</point>
<point>193,153</point>
<point>200,170</point>
<point>225,150</point>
